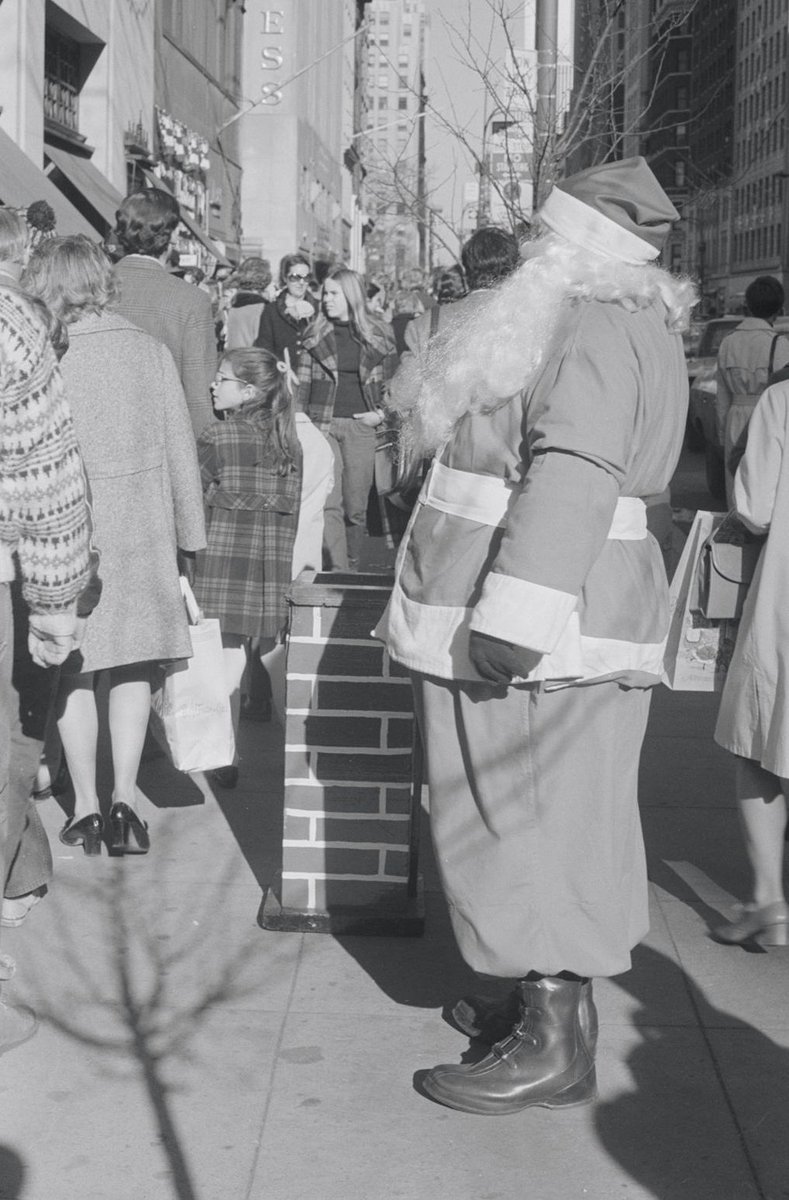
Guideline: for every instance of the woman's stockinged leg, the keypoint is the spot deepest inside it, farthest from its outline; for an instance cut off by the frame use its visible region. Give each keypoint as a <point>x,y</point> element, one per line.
<point>762,807</point>
<point>129,708</point>
<point>78,726</point>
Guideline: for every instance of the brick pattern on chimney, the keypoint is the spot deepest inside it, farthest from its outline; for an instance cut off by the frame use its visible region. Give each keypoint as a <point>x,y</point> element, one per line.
<point>348,762</point>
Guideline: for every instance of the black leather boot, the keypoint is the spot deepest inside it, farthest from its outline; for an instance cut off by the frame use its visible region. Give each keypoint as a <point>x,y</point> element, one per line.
<point>544,1061</point>
<point>490,1019</point>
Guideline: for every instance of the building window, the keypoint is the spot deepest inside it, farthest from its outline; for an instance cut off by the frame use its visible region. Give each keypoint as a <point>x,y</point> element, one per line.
<point>61,79</point>
<point>402,102</point>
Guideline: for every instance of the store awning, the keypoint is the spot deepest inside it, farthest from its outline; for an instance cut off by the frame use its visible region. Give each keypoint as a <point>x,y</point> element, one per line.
<point>88,181</point>
<point>191,225</point>
<point>22,182</point>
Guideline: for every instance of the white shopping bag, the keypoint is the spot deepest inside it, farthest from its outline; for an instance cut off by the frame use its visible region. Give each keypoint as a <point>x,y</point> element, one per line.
<point>191,708</point>
<point>698,650</point>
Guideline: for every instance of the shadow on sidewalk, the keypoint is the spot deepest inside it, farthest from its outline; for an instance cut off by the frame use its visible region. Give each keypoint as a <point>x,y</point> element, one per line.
<point>419,972</point>
<point>143,959</point>
<point>688,1082</point>
<point>12,1174</point>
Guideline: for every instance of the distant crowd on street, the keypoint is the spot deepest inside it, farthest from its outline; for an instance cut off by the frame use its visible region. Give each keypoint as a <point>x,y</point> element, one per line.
<point>511,426</point>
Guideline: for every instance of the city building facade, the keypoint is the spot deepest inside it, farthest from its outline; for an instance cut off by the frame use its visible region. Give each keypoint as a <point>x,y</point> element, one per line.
<point>667,112</point>
<point>392,143</point>
<point>100,96</point>
<point>758,243</point>
<point>707,218</point>
<point>300,187</point>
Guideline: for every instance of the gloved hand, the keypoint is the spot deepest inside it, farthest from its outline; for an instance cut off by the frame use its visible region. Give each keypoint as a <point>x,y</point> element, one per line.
<point>50,637</point>
<point>499,661</point>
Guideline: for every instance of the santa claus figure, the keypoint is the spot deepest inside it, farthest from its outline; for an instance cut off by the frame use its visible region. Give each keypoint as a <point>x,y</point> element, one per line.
<point>531,606</point>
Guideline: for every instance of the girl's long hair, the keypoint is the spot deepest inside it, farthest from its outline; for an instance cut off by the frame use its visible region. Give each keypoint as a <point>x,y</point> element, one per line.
<point>367,327</point>
<point>264,372</point>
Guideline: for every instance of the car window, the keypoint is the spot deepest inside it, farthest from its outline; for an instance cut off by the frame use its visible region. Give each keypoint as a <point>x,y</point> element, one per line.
<point>713,335</point>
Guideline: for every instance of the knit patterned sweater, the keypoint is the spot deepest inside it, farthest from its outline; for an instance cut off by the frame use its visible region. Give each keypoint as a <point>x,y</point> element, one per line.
<point>44,514</point>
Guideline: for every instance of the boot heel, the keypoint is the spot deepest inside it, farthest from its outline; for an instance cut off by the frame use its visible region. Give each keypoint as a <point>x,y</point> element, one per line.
<point>582,1092</point>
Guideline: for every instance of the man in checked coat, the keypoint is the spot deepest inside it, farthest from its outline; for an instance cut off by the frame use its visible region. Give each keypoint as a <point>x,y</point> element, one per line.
<point>177,313</point>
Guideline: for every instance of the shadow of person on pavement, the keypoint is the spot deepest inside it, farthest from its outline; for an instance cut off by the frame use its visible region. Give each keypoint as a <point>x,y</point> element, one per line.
<point>420,972</point>
<point>705,1113</point>
<point>12,1174</point>
<point>253,810</point>
<point>146,954</point>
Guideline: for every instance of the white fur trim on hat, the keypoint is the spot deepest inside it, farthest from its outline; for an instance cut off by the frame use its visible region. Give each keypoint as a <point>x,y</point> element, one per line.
<point>585,226</point>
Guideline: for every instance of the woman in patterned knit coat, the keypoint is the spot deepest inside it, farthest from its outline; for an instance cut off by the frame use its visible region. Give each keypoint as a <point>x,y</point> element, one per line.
<point>251,471</point>
<point>136,438</point>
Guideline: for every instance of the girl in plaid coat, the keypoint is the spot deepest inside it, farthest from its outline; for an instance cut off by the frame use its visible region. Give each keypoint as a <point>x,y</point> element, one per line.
<point>250,465</point>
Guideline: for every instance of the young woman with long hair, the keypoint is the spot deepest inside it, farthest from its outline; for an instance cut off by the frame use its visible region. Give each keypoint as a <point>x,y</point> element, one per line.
<point>349,356</point>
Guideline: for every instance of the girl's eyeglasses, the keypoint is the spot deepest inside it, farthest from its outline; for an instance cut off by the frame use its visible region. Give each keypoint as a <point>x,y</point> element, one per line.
<point>227,379</point>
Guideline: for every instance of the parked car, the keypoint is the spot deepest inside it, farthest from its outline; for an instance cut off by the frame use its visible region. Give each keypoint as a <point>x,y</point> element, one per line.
<point>701,350</point>
<point>702,428</point>
<point>710,337</point>
<point>702,425</point>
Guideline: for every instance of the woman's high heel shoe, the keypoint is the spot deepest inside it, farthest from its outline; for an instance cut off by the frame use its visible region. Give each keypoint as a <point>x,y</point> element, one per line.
<point>128,834</point>
<point>85,833</point>
<point>769,926</point>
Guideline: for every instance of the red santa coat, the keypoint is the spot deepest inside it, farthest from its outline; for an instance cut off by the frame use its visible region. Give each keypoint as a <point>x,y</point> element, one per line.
<point>529,527</point>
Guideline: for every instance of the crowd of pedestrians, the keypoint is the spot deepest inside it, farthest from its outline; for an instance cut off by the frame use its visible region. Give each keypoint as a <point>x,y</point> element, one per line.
<point>531,404</point>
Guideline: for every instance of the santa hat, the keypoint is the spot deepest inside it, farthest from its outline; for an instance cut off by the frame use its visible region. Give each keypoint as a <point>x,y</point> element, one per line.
<point>617,209</point>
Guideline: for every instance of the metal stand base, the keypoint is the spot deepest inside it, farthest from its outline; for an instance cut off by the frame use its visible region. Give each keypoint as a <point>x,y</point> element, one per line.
<point>346,920</point>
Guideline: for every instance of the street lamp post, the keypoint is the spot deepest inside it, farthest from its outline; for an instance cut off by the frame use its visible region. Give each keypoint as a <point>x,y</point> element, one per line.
<point>501,126</point>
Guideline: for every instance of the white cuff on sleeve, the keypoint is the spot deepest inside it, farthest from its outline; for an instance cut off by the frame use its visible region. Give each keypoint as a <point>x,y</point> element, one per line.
<point>527,614</point>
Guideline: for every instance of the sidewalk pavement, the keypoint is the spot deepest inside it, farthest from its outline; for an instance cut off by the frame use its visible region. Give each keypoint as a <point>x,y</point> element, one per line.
<point>186,1054</point>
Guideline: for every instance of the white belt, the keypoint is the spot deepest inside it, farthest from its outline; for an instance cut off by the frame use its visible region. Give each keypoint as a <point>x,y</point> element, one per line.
<point>485,500</point>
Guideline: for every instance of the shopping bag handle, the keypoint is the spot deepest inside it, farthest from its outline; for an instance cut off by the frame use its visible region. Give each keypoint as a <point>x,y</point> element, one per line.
<point>192,607</point>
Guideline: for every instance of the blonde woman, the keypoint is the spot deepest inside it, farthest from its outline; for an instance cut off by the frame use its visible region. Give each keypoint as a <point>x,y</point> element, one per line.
<point>348,358</point>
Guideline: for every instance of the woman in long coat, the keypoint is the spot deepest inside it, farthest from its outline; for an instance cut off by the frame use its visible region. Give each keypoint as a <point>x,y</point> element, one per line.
<point>136,438</point>
<point>752,722</point>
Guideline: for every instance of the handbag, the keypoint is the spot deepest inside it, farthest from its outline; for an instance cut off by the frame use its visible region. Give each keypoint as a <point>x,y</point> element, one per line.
<point>386,451</point>
<point>190,708</point>
<point>698,649</point>
<point>727,563</point>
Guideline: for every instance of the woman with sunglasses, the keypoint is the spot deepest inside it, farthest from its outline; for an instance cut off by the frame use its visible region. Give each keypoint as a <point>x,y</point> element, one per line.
<point>283,323</point>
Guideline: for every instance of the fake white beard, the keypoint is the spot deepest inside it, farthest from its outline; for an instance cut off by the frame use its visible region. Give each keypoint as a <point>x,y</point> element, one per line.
<point>501,344</point>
